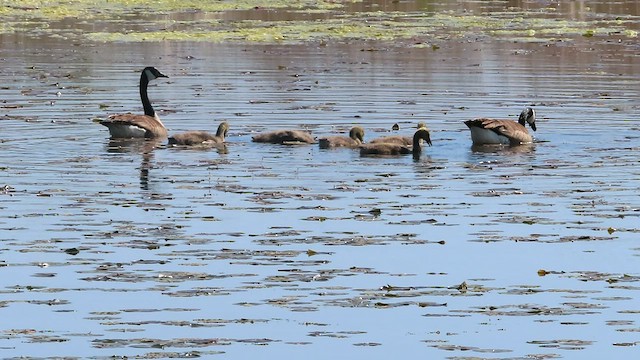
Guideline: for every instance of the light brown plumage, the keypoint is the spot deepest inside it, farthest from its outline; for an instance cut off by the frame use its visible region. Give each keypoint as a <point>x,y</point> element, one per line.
<point>138,126</point>
<point>396,148</point>
<point>191,138</point>
<point>486,131</point>
<point>397,139</point>
<point>286,137</point>
<point>355,138</point>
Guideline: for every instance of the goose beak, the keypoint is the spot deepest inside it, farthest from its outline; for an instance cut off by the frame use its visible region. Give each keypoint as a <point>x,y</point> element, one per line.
<point>533,126</point>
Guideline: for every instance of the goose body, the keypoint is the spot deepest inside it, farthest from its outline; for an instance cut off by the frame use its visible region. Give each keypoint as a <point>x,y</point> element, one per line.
<point>381,148</point>
<point>486,131</point>
<point>385,149</point>
<point>355,139</point>
<point>138,126</point>
<point>396,139</point>
<point>190,138</point>
<point>285,137</point>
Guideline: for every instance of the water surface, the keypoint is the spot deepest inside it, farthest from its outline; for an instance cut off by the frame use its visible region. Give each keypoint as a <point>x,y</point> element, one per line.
<point>141,250</point>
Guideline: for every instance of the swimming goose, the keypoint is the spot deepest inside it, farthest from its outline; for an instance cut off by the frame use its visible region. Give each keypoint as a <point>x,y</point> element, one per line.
<point>356,137</point>
<point>398,149</point>
<point>201,137</point>
<point>139,126</point>
<point>402,140</point>
<point>506,132</point>
<point>286,137</point>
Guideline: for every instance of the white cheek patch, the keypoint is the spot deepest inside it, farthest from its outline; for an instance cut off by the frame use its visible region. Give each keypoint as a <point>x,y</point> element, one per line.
<point>149,75</point>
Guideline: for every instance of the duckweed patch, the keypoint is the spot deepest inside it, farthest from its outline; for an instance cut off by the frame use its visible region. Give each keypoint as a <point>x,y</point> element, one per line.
<point>113,9</point>
<point>289,23</point>
<point>381,27</point>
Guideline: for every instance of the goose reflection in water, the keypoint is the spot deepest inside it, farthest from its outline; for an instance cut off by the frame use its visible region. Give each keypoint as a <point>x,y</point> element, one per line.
<point>137,146</point>
<point>497,149</point>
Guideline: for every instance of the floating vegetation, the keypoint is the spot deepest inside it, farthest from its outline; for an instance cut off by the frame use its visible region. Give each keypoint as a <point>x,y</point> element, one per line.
<point>158,252</point>
<point>564,344</point>
<point>200,21</point>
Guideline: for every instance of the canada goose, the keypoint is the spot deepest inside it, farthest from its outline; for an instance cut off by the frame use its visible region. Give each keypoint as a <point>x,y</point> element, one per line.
<point>401,140</point>
<point>396,148</point>
<point>506,132</point>
<point>287,137</point>
<point>356,137</point>
<point>201,137</point>
<point>139,126</point>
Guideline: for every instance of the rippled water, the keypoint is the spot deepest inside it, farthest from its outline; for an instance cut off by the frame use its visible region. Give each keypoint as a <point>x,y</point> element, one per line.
<point>138,249</point>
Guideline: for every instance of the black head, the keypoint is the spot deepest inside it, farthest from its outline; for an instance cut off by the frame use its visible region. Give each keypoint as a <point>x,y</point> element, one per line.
<point>223,129</point>
<point>528,115</point>
<point>152,73</point>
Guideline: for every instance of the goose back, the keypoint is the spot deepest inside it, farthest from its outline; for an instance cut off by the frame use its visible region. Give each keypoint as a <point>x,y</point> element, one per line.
<point>285,137</point>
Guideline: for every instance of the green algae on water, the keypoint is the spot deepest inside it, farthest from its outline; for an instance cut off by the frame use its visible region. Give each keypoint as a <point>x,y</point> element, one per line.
<point>288,22</point>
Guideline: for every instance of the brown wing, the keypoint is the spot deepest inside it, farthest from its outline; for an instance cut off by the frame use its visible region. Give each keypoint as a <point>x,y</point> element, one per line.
<point>516,133</point>
<point>152,125</point>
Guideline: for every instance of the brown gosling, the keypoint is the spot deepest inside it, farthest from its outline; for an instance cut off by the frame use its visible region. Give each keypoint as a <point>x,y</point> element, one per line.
<point>286,137</point>
<point>191,138</point>
<point>398,149</point>
<point>355,139</point>
<point>401,140</point>
<point>503,132</point>
<point>138,126</point>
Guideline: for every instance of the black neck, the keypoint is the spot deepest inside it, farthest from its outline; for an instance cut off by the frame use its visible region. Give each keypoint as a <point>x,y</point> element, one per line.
<point>146,104</point>
<point>417,148</point>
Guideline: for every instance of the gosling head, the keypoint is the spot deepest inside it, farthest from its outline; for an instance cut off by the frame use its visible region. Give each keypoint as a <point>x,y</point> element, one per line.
<point>223,128</point>
<point>357,133</point>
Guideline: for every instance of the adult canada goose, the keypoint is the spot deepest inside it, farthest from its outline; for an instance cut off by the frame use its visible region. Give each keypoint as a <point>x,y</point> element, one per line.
<point>286,137</point>
<point>506,132</point>
<point>402,140</point>
<point>139,126</point>
<point>396,148</point>
<point>356,138</point>
<point>201,137</point>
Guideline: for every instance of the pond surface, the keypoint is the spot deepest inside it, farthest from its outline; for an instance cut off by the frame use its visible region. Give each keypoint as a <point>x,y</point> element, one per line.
<point>137,249</point>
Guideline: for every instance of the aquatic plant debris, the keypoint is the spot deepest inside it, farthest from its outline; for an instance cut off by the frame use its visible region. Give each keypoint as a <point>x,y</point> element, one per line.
<point>139,250</point>
<point>288,22</point>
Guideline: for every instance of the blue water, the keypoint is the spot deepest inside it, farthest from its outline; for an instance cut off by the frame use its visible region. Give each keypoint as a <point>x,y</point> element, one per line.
<point>269,250</point>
